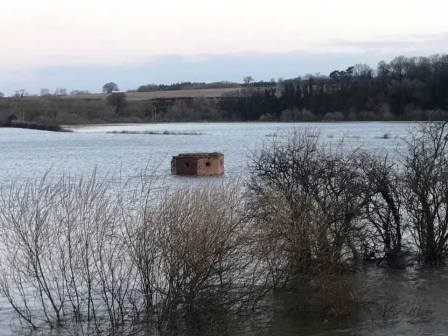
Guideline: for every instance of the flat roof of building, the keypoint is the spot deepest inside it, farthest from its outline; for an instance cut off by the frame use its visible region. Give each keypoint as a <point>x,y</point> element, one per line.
<point>200,155</point>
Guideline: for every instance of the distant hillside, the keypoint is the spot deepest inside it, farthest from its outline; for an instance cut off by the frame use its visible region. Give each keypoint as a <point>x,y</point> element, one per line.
<point>156,106</point>
<point>169,94</point>
<point>413,88</point>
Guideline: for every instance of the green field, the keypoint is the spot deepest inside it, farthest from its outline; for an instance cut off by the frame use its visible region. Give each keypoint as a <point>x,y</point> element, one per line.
<point>194,93</point>
<point>95,108</point>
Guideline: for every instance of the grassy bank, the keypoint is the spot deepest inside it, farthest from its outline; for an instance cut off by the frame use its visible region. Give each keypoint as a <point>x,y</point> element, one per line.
<point>133,107</point>
<point>34,126</point>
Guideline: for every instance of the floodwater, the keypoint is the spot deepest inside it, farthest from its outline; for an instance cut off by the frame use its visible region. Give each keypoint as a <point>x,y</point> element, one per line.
<point>29,154</point>
<point>392,302</point>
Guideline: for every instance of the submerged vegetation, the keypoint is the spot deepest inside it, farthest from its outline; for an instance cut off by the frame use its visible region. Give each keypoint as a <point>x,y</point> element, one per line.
<point>95,257</point>
<point>166,132</point>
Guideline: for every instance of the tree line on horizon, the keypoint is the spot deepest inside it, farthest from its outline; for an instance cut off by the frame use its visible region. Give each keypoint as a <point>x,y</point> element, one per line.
<point>405,88</point>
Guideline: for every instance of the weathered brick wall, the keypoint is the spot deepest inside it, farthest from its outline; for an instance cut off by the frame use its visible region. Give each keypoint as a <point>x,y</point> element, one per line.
<point>184,166</point>
<point>201,164</point>
<point>210,166</point>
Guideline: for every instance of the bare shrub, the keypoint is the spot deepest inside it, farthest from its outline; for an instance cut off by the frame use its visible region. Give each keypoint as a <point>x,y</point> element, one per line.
<point>63,247</point>
<point>426,190</point>
<point>79,254</point>
<point>307,200</point>
<point>194,254</point>
<point>316,193</point>
<point>28,249</point>
<point>383,209</point>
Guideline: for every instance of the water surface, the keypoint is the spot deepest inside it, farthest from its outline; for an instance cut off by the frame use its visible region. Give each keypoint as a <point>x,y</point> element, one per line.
<point>29,154</point>
<point>410,302</point>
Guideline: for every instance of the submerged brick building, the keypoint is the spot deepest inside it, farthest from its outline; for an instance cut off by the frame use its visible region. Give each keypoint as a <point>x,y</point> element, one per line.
<point>200,164</point>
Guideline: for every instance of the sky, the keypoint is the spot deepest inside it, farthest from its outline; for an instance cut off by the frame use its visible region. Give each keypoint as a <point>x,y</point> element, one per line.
<point>83,44</point>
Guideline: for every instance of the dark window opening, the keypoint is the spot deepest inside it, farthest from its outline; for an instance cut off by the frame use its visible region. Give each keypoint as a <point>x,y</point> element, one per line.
<point>187,164</point>
<point>207,164</point>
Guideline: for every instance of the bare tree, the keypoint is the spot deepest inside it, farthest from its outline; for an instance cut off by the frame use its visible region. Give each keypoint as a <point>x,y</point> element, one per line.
<point>383,210</point>
<point>110,87</point>
<point>60,92</point>
<point>247,80</point>
<point>20,93</point>
<point>79,92</point>
<point>426,190</point>
<point>117,100</point>
<point>45,92</point>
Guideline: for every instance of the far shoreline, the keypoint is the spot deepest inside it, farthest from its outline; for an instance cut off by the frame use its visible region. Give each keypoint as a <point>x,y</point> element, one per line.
<point>73,127</point>
<point>34,126</point>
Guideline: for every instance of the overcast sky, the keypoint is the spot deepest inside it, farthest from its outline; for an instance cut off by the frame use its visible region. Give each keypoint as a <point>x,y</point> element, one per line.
<point>82,44</point>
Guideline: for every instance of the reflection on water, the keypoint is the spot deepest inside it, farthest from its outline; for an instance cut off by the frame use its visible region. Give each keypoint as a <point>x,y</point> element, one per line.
<point>390,302</point>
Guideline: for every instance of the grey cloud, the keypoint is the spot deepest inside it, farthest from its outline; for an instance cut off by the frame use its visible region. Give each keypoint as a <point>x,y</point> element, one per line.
<point>423,43</point>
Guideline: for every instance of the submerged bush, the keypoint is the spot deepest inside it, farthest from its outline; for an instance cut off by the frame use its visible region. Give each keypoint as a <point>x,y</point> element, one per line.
<point>426,190</point>
<point>316,202</point>
<point>64,257</point>
<point>308,198</point>
<point>383,226</point>
<point>87,256</point>
<point>193,253</point>
<point>77,255</point>
<point>320,209</point>
<point>307,201</point>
